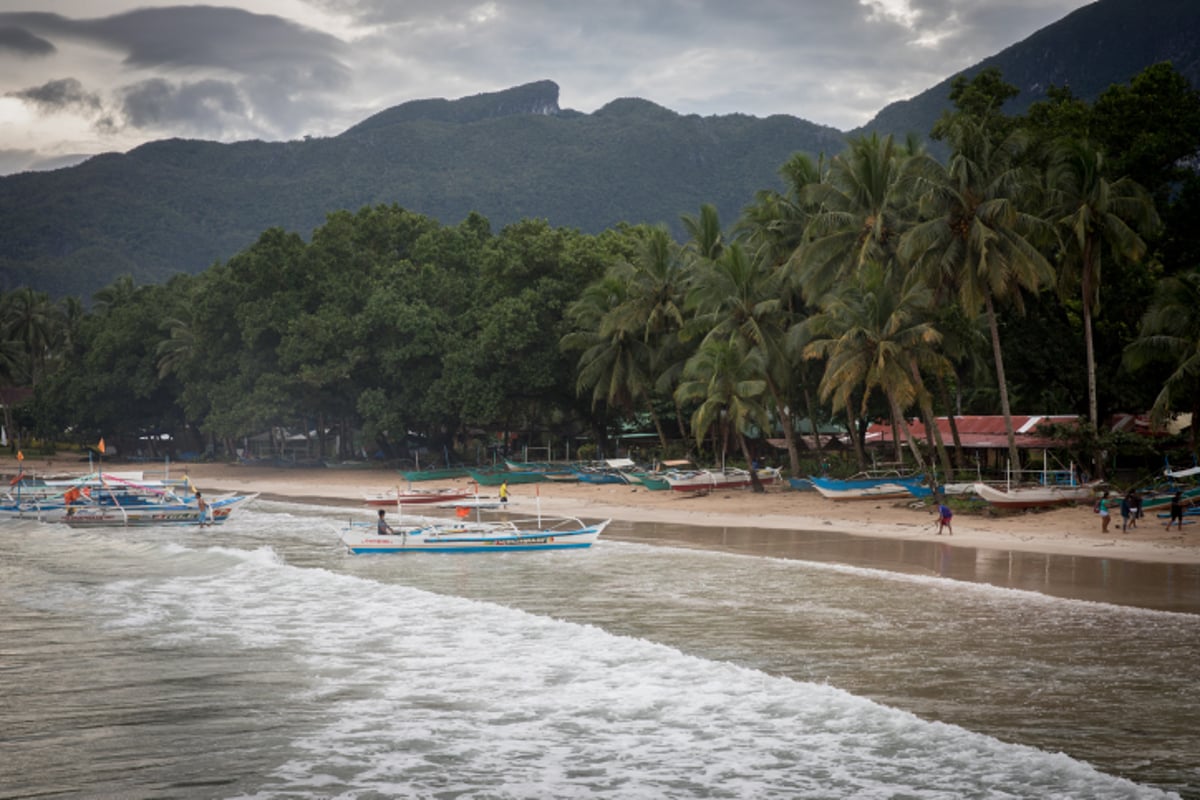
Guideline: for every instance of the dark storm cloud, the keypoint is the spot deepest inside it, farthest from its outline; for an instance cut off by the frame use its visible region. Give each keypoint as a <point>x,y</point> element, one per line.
<point>23,43</point>
<point>199,107</point>
<point>66,93</point>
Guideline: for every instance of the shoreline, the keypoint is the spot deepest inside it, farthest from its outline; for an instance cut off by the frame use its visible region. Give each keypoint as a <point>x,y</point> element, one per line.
<point>1063,531</point>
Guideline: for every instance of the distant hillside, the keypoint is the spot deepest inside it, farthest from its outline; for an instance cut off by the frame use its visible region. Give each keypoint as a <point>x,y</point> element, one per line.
<point>180,205</point>
<point>1089,50</point>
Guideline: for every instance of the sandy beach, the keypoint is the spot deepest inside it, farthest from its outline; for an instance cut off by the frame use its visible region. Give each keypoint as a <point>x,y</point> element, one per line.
<point>1067,531</point>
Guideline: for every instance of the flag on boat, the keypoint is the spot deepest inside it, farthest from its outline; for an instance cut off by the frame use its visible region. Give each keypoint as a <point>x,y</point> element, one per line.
<point>100,447</point>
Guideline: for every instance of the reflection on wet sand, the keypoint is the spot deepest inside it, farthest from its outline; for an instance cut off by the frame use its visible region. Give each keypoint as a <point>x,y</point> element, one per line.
<point>1167,587</point>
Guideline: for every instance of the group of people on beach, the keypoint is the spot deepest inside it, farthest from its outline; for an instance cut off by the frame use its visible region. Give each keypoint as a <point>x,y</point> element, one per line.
<point>1131,511</point>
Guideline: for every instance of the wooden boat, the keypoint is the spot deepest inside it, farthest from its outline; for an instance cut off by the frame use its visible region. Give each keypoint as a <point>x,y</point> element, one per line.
<point>867,487</point>
<point>219,511</point>
<point>497,477</point>
<point>611,470</point>
<point>703,480</point>
<point>565,533</point>
<point>414,497</point>
<point>444,474</point>
<point>1035,496</point>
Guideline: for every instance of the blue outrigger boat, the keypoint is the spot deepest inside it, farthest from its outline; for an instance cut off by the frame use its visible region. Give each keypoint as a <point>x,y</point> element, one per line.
<point>871,487</point>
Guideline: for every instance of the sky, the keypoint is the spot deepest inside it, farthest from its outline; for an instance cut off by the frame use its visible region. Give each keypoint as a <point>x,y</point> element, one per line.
<point>80,77</point>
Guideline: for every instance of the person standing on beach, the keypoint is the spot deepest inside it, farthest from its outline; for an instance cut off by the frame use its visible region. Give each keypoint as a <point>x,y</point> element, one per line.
<point>1102,507</point>
<point>1135,508</point>
<point>504,493</point>
<point>1126,510</point>
<point>944,517</point>
<point>382,527</point>
<point>1176,511</point>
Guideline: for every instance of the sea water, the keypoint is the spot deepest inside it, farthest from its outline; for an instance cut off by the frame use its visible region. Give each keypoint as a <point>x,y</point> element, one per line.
<point>259,660</point>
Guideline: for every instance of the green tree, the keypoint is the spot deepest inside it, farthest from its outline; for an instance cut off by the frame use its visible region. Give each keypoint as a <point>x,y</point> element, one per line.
<point>979,233</point>
<point>1094,215</point>
<point>1171,334</point>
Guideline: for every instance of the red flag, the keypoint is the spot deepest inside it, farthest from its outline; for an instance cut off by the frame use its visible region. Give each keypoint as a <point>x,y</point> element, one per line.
<point>100,446</point>
<point>20,456</point>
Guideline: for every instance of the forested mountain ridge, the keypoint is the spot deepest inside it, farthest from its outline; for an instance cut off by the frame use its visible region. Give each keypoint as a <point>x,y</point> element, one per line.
<point>1090,49</point>
<point>180,205</point>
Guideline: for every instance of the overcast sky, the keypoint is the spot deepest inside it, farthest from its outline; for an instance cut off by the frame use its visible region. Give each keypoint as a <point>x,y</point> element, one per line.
<point>90,76</point>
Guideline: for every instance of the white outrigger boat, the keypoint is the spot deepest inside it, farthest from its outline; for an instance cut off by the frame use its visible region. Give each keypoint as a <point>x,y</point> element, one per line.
<point>450,536</point>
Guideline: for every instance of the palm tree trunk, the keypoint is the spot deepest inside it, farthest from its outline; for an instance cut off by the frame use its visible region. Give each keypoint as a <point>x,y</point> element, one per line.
<point>944,390</point>
<point>662,435</point>
<point>1086,285</point>
<point>1014,458</point>
<point>931,429</point>
<point>789,432</point>
<point>898,416</point>
<point>852,426</point>
<point>755,483</point>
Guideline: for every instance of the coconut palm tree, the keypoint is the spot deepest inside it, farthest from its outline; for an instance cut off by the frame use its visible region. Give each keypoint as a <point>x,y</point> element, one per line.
<point>865,203</point>
<point>31,321</point>
<point>726,380</point>
<point>979,233</point>
<point>738,296</point>
<point>875,334</point>
<point>1092,215</point>
<point>1170,333</point>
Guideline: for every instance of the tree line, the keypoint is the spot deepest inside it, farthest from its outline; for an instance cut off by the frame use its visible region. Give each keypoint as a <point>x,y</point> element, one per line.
<point>1048,263</point>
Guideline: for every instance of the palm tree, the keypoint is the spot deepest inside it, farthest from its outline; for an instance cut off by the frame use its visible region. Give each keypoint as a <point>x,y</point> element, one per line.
<point>865,203</point>
<point>34,323</point>
<point>874,335</point>
<point>1093,213</point>
<point>725,379</point>
<point>1171,333</point>
<point>977,234</point>
<point>738,296</point>
<point>626,325</point>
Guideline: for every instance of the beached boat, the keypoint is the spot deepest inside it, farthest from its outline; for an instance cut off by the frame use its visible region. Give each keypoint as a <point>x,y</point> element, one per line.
<point>611,470</point>
<point>869,487</point>
<point>703,480</point>
<point>1035,496</point>
<point>414,497</point>
<point>444,474</point>
<point>497,477</point>
<point>557,533</point>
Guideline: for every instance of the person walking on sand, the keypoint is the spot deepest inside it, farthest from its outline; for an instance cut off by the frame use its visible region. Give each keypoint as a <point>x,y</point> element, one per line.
<point>1102,507</point>
<point>944,517</point>
<point>382,527</point>
<point>1126,510</point>
<point>1176,511</point>
<point>504,493</point>
<point>1135,508</point>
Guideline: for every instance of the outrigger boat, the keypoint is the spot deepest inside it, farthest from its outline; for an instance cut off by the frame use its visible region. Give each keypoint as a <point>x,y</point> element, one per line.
<point>1035,496</point>
<point>869,487</point>
<point>414,497</point>
<point>565,533</point>
<point>187,513</point>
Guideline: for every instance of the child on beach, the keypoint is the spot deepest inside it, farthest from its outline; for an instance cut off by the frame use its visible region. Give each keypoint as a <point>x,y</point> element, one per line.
<point>944,517</point>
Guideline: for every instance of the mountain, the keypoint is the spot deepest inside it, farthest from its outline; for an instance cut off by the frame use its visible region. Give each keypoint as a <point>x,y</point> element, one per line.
<point>1088,50</point>
<point>179,205</point>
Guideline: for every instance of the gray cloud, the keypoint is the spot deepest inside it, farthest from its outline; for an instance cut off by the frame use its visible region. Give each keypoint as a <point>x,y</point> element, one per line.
<point>202,107</point>
<point>23,43</point>
<point>66,93</point>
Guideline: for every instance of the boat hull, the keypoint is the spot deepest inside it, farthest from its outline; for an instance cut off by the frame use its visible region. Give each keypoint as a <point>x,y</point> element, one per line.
<point>472,538</point>
<point>1034,497</point>
<point>497,478</point>
<point>869,488</point>
<point>390,500</point>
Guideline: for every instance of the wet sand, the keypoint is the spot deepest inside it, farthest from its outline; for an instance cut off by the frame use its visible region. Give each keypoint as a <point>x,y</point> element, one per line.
<point>1060,551</point>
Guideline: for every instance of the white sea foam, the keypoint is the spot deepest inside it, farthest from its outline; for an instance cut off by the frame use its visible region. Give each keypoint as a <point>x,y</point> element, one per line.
<point>428,694</point>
